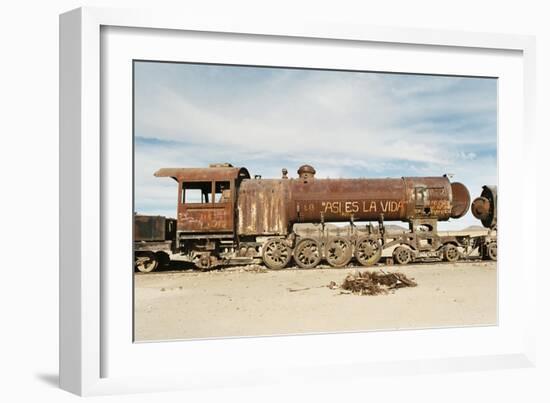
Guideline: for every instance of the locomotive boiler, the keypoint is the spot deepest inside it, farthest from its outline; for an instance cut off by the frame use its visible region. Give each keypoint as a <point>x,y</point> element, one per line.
<point>226,217</point>
<point>311,200</point>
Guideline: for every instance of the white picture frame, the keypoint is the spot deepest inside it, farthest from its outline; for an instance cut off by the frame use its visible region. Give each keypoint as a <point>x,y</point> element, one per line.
<point>88,335</point>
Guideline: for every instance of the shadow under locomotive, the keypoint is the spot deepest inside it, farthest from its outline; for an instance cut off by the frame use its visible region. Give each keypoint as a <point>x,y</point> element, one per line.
<point>225,217</point>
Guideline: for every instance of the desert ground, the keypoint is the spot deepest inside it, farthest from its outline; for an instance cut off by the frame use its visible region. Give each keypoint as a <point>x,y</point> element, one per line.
<point>251,301</point>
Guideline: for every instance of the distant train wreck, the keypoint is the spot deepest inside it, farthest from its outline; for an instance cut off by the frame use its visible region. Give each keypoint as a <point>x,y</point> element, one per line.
<point>226,217</point>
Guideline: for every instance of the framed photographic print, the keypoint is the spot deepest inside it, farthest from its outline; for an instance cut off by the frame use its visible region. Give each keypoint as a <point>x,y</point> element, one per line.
<point>237,199</point>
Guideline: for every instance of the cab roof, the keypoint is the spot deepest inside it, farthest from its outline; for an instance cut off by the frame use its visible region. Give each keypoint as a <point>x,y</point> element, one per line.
<point>216,173</point>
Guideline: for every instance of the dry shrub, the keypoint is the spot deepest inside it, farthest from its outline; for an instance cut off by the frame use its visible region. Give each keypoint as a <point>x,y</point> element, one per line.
<point>374,283</point>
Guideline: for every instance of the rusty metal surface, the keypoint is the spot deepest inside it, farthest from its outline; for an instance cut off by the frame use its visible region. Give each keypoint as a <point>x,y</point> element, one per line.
<point>461,200</point>
<point>402,199</point>
<point>212,215</point>
<point>153,228</point>
<point>262,206</point>
<point>340,199</point>
<point>204,174</point>
<point>205,218</point>
<point>155,246</point>
<point>270,206</point>
<point>306,172</point>
<point>484,207</point>
<point>149,228</point>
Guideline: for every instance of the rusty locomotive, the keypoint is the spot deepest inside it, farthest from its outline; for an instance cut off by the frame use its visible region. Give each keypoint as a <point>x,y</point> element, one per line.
<point>226,217</point>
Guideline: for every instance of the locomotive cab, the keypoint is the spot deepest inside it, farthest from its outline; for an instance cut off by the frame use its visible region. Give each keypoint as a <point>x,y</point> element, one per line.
<point>205,206</point>
<point>206,199</point>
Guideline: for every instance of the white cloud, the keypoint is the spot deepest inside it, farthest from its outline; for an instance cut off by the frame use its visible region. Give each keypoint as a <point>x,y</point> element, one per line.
<point>354,116</point>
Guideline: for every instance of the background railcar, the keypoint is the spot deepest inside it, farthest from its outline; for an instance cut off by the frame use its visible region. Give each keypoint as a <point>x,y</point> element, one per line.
<point>154,241</point>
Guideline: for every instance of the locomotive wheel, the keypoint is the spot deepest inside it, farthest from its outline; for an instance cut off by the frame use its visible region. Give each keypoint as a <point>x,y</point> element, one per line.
<point>450,253</point>
<point>338,252</point>
<point>368,251</point>
<point>146,262</point>
<point>307,253</point>
<point>402,255</point>
<point>492,251</point>
<point>275,254</point>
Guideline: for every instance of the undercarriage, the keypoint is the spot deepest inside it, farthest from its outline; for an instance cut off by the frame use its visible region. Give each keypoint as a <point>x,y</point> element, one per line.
<point>338,246</point>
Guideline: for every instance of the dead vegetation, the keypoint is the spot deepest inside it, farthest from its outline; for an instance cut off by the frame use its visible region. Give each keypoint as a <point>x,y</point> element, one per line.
<point>373,283</point>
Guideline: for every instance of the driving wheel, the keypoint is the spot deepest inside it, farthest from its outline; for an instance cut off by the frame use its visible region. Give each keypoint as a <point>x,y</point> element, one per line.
<point>368,251</point>
<point>275,254</point>
<point>307,253</point>
<point>338,252</point>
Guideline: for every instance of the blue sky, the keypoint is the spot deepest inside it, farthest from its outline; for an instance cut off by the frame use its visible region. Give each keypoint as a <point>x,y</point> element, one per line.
<point>345,124</point>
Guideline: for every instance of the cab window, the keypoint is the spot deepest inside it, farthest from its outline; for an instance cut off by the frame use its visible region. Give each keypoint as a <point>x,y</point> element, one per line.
<point>222,192</point>
<point>195,192</point>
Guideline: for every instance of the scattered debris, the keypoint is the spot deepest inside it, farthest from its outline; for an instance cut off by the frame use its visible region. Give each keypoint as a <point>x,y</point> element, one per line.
<point>306,288</point>
<point>298,289</point>
<point>373,283</point>
<point>255,268</point>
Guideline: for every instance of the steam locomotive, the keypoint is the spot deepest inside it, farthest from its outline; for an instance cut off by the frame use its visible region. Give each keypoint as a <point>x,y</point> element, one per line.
<point>225,217</point>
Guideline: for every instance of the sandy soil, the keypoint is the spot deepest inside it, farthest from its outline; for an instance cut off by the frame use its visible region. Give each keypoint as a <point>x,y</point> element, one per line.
<point>237,302</point>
